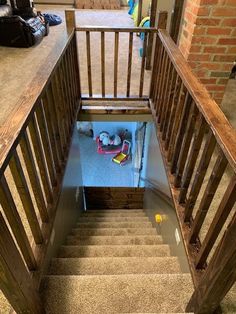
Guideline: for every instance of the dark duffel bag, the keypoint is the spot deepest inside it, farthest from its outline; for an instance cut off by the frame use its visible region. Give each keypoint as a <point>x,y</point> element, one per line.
<point>17,32</point>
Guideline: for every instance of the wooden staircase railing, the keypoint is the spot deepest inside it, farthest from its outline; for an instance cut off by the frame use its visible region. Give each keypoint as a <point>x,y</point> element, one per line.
<point>191,129</point>
<point>34,145</point>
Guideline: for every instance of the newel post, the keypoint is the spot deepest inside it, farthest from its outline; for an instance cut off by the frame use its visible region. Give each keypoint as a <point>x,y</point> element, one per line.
<point>70,20</point>
<point>220,274</point>
<point>161,24</point>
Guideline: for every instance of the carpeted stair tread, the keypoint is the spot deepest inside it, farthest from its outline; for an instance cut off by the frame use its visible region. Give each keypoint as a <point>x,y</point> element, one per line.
<point>113,219</point>
<point>117,293</point>
<point>116,240</point>
<point>114,214</point>
<point>115,211</point>
<point>114,232</point>
<point>114,265</point>
<point>114,250</point>
<point>114,225</point>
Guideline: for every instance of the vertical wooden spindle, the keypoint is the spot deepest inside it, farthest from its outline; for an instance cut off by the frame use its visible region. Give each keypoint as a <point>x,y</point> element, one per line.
<point>33,176</point>
<point>24,193</point>
<point>15,222</point>
<point>143,65</point>
<point>130,52</point>
<point>89,66</point>
<point>116,55</point>
<point>103,63</point>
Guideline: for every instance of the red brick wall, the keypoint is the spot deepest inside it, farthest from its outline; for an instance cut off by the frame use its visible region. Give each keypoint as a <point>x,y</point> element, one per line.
<point>208,41</point>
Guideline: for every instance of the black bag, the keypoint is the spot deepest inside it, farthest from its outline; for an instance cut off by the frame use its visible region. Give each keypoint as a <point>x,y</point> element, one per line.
<point>16,32</point>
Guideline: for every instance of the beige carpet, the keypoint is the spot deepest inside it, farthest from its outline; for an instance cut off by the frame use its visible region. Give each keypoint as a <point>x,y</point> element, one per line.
<point>114,262</point>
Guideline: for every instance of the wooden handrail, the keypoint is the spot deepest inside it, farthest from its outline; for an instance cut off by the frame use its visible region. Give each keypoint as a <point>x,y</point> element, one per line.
<point>17,121</point>
<point>108,29</point>
<point>34,144</point>
<point>191,129</point>
<point>215,118</point>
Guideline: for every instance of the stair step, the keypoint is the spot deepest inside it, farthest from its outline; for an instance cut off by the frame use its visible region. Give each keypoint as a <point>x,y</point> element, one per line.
<point>114,265</point>
<point>114,225</point>
<point>113,219</point>
<point>114,214</point>
<point>114,231</point>
<point>117,293</point>
<point>115,211</point>
<point>116,240</point>
<point>114,251</point>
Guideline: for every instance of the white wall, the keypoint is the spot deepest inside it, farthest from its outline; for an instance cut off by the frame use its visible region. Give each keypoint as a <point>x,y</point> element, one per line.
<point>153,167</point>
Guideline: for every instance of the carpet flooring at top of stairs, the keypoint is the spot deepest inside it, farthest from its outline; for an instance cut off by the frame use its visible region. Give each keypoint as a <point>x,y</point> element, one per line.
<point>114,262</point>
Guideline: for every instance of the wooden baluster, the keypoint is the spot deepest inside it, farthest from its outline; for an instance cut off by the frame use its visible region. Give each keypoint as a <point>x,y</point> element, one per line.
<point>184,98</point>
<point>70,79</point>
<point>175,101</point>
<point>170,92</point>
<point>130,54</point>
<point>77,72</point>
<point>73,75</point>
<point>51,114</point>
<point>185,145</point>
<point>220,274</point>
<point>24,193</point>
<point>33,176</point>
<point>116,55</point>
<point>161,23</point>
<point>200,174</point>
<point>103,63</point>
<point>69,100</point>
<point>89,64</point>
<point>15,222</point>
<point>15,280</point>
<point>153,17</point>
<point>143,65</point>
<point>140,9</point>
<point>59,110</point>
<point>165,95</point>
<point>156,61</point>
<point>208,196</point>
<point>192,158</point>
<point>52,135</point>
<point>162,86</point>
<point>159,78</point>
<point>226,204</point>
<point>181,131</point>
<point>39,154</point>
<point>62,102</point>
<point>155,74</point>
<point>46,143</point>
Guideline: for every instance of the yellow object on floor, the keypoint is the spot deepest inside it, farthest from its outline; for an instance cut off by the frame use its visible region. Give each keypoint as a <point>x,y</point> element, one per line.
<point>158,218</point>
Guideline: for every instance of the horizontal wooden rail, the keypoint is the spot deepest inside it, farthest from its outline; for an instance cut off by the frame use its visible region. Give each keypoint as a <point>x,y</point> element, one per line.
<point>196,138</point>
<point>136,79</point>
<point>108,29</point>
<point>215,118</point>
<point>34,144</point>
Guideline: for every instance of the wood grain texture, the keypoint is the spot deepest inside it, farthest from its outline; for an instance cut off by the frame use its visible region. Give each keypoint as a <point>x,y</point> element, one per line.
<point>224,132</point>
<point>15,281</point>
<point>24,193</point>
<point>16,225</point>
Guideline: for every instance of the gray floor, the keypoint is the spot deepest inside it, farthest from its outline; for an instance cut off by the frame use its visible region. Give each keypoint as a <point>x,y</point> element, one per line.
<point>99,170</point>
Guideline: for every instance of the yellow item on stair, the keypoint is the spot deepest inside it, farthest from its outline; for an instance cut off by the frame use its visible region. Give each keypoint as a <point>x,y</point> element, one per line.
<point>158,218</point>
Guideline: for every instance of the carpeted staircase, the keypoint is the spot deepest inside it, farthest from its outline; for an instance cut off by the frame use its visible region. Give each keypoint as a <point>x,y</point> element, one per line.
<point>114,262</point>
